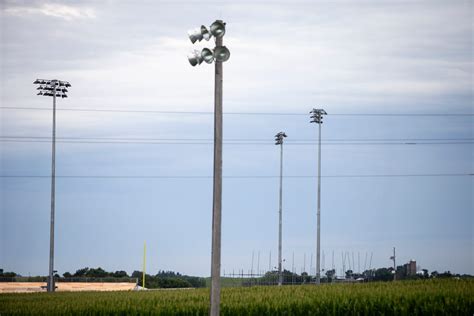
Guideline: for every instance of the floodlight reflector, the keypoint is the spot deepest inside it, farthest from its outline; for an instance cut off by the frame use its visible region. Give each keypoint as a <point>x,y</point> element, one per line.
<point>195,35</point>
<point>207,55</point>
<point>195,58</point>
<point>218,28</point>
<point>221,53</point>
<point>205,33</point>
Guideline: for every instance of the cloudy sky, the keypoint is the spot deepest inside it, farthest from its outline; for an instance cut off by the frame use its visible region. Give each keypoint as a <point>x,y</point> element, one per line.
<point>396,166</point>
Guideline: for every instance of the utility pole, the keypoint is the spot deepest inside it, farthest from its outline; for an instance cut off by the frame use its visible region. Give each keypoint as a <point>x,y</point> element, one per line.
<point>293,269</point>
<point>219,54</point>
<point>279,141</point>
<point>365,262</point>
<point>52,88</point>
<point>270,262</point>
<point>394,265</point>
<point>251,269</point>
<point>144,264</point>
<point>217,190</point>
<point>332,265</point>
<point>358,262</point>
<point>304,262</point>
<point>258,263</point>
<point>317,117</point>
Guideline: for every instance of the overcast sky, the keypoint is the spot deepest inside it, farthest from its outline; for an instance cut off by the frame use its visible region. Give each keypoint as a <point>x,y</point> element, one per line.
<point>365,57</point>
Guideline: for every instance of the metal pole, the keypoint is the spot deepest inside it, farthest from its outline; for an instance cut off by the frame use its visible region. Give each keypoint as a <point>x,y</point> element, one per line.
<point>217,190</point>
<point>258,263</point>
<point>293,269</point>
<point>318,250</point>
<point>304,262</point>
<point>251,269</point>
<point>144,264</point>
<point>270,262</point>
<point>51,285</point>
<point>394,266</point>
<point>280,275</point>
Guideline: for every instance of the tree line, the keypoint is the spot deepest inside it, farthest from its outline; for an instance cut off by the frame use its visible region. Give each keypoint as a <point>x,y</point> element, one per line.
<point>163,279</point>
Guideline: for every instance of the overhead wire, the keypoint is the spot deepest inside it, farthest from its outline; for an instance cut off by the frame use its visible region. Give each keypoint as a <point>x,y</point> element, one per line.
<point>241,177</point>
<point>233,112</point>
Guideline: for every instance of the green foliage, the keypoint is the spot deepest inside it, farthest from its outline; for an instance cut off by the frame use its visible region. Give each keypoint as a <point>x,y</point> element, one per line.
<point>7,274</point>
<point>420,297</point>
<point>168,279</point>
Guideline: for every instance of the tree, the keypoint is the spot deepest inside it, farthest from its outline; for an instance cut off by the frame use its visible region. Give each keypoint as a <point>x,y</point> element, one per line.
<point>120,274</point>
<point>425,273</point>
<point>137,274</point>
<point>81,272</point>
<point>330,274</point>
<point>383,274</point>
<point>67,275</point>
<point>97,273</point>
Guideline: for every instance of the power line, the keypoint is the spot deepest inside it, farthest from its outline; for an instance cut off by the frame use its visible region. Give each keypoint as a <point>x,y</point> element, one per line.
<point>234,139</point>
<point>232,143</point>
<point>241,177</point>
<point>235,113</point>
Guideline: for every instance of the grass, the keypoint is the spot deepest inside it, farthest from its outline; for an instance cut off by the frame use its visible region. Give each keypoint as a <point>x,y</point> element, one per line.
<point>423,297</point>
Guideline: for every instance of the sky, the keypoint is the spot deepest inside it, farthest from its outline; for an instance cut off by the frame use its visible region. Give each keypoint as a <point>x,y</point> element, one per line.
<point>134,153</point>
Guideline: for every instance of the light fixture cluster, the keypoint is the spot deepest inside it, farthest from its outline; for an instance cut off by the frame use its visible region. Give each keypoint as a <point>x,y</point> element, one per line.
<point>52,88</point>
<point>219,53</point>
<point>317,116</point>
<point>279,138</point>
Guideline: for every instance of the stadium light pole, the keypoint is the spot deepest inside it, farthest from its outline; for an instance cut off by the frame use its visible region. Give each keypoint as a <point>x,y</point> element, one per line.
<point>219,54</point>
<point>52,88</point>
<point>279,141</point>
<point>317,117</point>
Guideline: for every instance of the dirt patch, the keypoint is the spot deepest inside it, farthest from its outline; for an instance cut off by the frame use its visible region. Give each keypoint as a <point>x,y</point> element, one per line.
<point>31,287</point>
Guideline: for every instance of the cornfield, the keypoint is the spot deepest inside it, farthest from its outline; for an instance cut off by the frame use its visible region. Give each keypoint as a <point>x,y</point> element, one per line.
<point>422,297</point>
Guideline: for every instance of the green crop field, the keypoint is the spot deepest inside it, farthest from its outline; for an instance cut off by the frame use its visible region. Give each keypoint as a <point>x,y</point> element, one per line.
<point>427,297</point>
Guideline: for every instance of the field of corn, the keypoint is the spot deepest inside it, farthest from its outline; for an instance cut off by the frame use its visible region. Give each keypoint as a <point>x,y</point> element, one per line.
<point>422,297</point>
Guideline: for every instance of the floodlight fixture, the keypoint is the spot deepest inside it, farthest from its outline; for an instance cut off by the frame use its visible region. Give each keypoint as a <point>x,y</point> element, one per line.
<point>221,53</point>
<point>279,138</point>
<point>207,55</point>
<point>317,115</point>
<point>195,58</point>
<point>218,28</point>
<point>195,35</point>
<point>205,33</point>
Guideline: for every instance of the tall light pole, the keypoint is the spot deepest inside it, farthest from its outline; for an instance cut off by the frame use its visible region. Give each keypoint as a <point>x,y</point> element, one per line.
<point>52,88</point>
<point>394,265</point>
<point>219,54</point>
<point>317,117</point>
<point>279,141</point>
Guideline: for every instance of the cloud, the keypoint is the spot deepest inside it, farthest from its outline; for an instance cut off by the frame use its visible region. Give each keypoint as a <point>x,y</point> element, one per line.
<point>66,12</point>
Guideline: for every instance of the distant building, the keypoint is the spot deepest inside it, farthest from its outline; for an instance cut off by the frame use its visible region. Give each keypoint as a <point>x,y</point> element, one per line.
<point>410,268</point>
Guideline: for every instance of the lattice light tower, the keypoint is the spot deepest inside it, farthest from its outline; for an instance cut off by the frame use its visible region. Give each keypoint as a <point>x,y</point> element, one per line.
<point>56,89</point>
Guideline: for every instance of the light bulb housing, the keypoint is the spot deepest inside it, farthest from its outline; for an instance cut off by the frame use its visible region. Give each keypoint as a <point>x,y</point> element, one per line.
<point>218,28</point>
<point>221,53</point>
